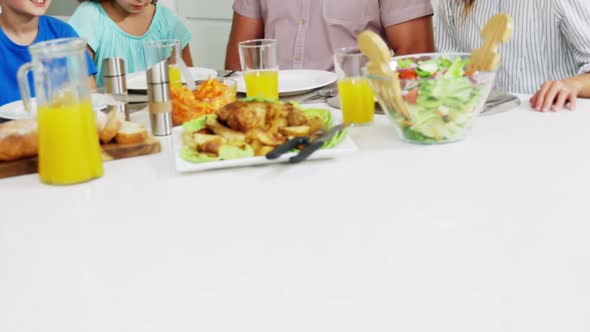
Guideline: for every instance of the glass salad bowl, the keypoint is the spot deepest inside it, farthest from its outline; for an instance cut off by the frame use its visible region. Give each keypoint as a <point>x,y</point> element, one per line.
<point>436,100</point>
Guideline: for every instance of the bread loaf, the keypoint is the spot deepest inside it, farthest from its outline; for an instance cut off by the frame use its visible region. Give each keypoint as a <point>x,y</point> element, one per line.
<point>101,120</point>
<point>112,126</point>
<point>18,139</point>
<point>131,133</point>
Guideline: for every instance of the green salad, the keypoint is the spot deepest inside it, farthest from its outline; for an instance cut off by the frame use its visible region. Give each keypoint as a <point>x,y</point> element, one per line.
<point>232,151</point>
<point>440,99</point>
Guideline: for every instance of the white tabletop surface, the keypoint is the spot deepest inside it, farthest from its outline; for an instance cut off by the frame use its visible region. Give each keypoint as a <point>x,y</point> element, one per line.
<point>488,234</point>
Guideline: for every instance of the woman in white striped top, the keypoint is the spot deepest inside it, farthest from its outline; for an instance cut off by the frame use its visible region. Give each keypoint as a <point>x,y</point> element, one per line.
<point>548,55</point>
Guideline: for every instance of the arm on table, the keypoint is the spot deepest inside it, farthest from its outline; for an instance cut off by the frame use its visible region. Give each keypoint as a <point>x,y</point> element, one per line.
<point>584,81</point>
<point>554,95</point>
<point>573,17</point>
<point>415,36</point>
<point>243,28</point>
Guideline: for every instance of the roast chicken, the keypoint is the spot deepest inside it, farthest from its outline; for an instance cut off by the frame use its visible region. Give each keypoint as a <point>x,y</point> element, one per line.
<point>259,124</point>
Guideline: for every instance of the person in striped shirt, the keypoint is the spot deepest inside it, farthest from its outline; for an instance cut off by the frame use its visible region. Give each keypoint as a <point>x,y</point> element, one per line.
<point>548,55</point>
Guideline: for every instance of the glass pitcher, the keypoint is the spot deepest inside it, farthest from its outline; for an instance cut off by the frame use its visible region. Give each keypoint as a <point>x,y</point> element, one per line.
<point>69,150</point>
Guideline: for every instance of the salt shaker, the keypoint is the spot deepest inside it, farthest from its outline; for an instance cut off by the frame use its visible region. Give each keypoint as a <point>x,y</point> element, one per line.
<point>115,82</point>
<point>159,102</point>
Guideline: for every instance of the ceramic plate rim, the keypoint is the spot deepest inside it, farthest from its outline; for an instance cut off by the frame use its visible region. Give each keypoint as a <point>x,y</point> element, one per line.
<point>19,103</point>
<point>137,75</point>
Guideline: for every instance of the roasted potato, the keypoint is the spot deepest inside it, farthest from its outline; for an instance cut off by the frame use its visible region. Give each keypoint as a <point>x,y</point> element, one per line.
<point>298,131</point>
<point>266,138</point>
<point>264,150</point>
<point>227,133</point>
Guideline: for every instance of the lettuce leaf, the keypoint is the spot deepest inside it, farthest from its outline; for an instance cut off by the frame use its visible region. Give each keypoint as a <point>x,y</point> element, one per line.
<point>326,117</point>
<point>227,152</point>
<point>320,113</point>
<point>193,156</point>
<point>405,63</point>
<point>197,124</point>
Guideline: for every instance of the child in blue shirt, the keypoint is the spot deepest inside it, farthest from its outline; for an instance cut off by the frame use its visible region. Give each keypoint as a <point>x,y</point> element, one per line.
<point>118,28</point>
<point>22,23</point>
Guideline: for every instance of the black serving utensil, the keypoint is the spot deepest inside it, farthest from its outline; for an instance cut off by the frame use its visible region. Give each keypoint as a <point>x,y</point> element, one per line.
<point>309,144</point>
<point>287,146</point>
<point>316,144</point>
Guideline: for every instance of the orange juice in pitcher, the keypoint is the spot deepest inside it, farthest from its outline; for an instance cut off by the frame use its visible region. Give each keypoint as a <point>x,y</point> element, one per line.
<point>69,150</point>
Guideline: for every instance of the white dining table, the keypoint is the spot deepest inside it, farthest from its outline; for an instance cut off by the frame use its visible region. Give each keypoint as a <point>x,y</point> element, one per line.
<point>488,234</point>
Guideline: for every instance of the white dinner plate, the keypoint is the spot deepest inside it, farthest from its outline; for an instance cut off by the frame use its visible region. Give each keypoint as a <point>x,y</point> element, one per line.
<point>345,147</point>
<point>297,81</point>
<point>137,81</point>
<point>16,110</point>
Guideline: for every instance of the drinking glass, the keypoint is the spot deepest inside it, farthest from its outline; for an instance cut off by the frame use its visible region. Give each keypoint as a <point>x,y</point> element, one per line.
<point>156,51</point>
<point>259,62</point>
<point>357,99</point>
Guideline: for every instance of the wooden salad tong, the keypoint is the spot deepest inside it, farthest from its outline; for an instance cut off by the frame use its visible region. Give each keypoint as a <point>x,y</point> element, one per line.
<point>498,30</point>
<point>386,82</point>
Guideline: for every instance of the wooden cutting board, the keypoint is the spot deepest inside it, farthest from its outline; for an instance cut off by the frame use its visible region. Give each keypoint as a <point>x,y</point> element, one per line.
<point>110,151</point>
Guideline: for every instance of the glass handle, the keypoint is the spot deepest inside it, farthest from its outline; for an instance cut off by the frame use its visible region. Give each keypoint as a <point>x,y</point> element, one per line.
<point>23,85</point>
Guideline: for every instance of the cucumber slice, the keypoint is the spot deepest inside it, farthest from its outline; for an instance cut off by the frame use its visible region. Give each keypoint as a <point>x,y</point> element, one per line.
<point>426,69</point>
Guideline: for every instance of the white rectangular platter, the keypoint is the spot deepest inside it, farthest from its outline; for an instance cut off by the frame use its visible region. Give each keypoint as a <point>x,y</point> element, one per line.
<point>345,147</point>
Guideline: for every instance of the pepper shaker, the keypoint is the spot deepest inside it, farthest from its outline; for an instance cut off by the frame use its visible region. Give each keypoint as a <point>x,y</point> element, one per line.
<point>115,82</point>
<point>159,101</point>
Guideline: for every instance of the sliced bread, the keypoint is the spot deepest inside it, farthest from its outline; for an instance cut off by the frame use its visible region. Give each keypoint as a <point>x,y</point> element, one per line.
<point>112,126</point>
<point>131,133</point>
<point>101,120</point>
<point>18,139</point>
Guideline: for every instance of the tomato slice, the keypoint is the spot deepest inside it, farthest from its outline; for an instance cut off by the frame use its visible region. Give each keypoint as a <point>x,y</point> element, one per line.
<point>407,74</point>
<point>411,97</point>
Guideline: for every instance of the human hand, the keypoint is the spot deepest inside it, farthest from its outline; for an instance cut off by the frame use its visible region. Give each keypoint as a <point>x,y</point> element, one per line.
<point>554,95</point>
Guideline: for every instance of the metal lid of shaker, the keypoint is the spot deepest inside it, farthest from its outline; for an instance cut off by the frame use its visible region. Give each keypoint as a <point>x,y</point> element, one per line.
<point>113,67</point>
<point>158,73</point>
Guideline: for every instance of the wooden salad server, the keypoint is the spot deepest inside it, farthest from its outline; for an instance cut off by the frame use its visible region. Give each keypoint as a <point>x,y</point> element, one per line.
<point>379,55</point>
<point>498,30</point>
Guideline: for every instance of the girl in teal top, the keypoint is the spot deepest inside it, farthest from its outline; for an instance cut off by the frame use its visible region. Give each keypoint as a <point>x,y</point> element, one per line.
<point>118,28</point>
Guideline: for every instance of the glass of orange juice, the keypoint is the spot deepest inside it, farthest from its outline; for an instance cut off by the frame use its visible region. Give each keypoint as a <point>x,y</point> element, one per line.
<point>259,60</point>
<point>357,99</point>
<point>156,51</point>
